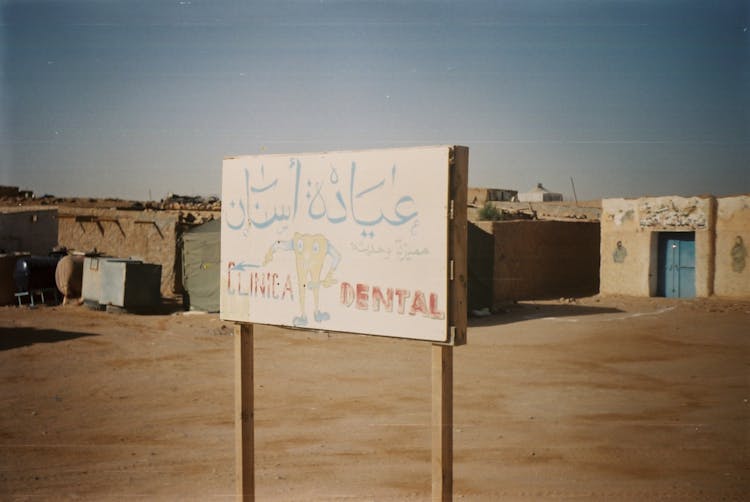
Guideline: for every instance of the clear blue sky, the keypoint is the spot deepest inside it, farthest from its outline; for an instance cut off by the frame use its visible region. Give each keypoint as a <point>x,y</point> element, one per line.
<point>628,97</point>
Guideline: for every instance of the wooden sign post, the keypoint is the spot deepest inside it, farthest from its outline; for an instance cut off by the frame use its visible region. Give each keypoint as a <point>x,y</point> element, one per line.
<point>442,423</point>
<point>244,412</point>
<point>370,242</point>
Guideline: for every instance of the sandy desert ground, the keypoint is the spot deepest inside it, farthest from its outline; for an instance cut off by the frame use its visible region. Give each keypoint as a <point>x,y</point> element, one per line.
<point>601,399</point>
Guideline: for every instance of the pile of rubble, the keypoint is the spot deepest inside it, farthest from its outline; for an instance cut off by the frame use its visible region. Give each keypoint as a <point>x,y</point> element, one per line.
<point>193,202</point>
<point>171,202</point>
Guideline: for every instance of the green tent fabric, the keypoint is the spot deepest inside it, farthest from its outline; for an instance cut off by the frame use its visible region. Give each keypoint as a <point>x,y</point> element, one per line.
<point>201,258</point>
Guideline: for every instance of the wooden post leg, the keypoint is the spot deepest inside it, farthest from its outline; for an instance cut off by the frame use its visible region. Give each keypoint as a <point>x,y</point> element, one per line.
<point>243,413</point>
<point>442,423</point>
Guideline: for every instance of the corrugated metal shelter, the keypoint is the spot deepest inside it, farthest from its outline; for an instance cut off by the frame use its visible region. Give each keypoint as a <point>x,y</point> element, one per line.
<point>201,258</point>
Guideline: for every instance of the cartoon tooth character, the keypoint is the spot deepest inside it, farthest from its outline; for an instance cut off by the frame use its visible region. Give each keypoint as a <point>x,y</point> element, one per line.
<point>310,252</point>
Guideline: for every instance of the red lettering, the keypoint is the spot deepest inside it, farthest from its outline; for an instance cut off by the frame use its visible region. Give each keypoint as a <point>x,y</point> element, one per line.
<point>363,296</point>
<point>378,299</point>
<point>402,295</point>
<point>288,287</point>
<point>258,284</point>
<point>262,285</point>
<point>418,304</point>
<point>229,277</point>
<point>347,294</point>
<point>434,312</point>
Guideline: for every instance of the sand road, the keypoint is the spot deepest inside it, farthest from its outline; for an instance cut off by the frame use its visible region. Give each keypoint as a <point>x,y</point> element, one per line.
<point>603,399</point>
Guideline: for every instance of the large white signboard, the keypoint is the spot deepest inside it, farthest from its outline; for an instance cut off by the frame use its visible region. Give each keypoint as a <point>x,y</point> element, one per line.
<point>340,241</point>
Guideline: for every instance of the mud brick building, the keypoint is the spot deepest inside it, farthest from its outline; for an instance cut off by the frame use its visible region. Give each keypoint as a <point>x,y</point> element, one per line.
<point>676,246</point>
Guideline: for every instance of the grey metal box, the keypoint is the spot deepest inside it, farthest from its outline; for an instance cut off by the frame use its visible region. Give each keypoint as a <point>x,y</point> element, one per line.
<point>130,284</point>
<point>91,286</point>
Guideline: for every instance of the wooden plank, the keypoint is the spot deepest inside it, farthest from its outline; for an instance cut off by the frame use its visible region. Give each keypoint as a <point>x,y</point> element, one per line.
<point>457,241</point>
<point>442,423</point>
<point>244,412</point>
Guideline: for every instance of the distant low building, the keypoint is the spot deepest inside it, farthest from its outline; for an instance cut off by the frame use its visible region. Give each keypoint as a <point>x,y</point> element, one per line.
<point>28,229</point>
<point>12,192</point>
<point>539,194</point>
<point>478,196</point>
<point>8,191</point>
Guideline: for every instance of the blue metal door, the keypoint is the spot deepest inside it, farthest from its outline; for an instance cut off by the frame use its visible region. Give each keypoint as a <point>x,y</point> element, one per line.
<point>677,264</point>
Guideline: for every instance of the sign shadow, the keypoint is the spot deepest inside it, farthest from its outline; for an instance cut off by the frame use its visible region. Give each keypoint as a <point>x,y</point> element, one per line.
<point>527,311</point>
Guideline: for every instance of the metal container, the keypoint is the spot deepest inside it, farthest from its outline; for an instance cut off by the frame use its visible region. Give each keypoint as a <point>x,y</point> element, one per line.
<point>35,273</point>
<point>7,282</point>
<point>69,276</point>
<point>93,271</point>
<point>91,287</point>
<point>130,284</point>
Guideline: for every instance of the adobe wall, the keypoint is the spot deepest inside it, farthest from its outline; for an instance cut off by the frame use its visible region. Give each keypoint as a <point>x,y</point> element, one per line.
<point>28,229</point>
<point>732,275</point>
<point>150,236</point>
<point>480,253</point>
<point>629,241</point>
<point>545,259</point>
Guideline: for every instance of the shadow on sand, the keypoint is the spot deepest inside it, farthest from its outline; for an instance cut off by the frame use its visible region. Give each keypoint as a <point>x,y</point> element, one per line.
<point>528,311</point>
<point>13,338</point>
<point>167,306</point>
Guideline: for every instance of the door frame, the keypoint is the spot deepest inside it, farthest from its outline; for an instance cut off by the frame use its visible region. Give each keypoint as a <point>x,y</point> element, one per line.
<point>658,284</point>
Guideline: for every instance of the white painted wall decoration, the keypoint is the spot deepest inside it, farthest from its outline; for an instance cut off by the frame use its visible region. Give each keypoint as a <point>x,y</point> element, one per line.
<point>341,241</point>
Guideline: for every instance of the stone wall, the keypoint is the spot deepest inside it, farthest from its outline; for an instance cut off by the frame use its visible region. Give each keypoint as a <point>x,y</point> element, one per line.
<point>150,236</point>
<point>732,274</point>
<point>28,229</point>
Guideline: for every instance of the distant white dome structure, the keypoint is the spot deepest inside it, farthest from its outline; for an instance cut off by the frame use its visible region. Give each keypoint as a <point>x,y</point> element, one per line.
<point>539,194</point>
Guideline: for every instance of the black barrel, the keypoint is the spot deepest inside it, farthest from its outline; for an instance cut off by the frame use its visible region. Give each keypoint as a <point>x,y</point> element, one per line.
<point>35,272</point>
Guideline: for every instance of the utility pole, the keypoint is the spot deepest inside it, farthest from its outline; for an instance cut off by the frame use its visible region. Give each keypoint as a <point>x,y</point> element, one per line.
<point>575,197</point>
